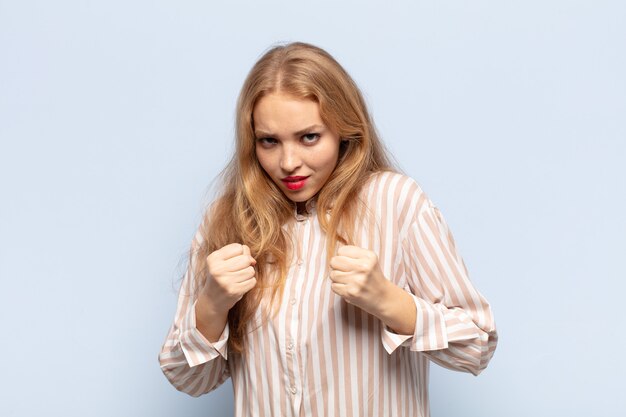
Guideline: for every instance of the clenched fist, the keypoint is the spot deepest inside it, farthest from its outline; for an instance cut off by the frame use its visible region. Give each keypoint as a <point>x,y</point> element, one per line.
<point>231,274</point>
<point>356,277</point>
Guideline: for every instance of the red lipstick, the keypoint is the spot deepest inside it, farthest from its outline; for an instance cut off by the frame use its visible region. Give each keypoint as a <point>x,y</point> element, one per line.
<point>295,182</point>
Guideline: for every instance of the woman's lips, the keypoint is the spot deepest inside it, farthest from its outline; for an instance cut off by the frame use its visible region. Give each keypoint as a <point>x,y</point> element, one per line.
<point>294,183</point>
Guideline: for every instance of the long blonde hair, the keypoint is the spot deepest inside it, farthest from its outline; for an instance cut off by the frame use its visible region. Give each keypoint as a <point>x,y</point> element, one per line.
<point>251,209</point>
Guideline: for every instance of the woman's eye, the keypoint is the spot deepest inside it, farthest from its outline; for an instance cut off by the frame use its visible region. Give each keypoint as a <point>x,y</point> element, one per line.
<point>266,141</point>
<point>311,137</point>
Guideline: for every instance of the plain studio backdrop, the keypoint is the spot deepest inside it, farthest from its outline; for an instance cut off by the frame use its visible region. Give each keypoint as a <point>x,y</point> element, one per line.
<point>116,116</point>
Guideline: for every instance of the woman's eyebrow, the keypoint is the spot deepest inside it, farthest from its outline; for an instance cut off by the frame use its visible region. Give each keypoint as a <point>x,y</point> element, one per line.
<point>260,132</point>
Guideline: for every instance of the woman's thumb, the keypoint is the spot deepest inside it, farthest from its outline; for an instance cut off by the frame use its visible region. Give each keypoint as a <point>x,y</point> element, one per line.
<point>246,251</point>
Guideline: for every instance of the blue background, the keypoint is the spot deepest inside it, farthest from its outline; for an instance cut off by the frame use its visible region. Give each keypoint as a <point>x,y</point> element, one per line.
<point>115,116</point>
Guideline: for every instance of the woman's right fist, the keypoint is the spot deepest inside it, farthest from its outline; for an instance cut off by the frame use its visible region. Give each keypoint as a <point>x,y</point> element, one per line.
<point>231,274</point>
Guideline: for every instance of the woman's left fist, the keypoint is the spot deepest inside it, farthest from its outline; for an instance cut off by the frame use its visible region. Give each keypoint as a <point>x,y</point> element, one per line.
<point>356,277</point>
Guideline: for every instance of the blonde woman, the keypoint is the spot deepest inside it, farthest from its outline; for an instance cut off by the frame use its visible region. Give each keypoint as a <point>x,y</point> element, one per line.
<point>322,280</point>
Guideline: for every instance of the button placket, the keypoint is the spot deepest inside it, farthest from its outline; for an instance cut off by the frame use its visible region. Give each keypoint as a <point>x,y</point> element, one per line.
<point>291,348</point>
<point>299,238</point>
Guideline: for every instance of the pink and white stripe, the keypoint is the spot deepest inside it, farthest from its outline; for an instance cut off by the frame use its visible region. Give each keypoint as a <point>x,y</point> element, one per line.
<point>320,356</point>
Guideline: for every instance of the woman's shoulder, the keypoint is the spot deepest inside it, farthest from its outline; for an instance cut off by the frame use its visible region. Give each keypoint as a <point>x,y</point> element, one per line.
<point>395,196</point>
<point>391,185</point>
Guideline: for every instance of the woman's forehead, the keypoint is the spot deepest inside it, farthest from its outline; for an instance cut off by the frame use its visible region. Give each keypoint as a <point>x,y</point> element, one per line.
<point>285,114</point>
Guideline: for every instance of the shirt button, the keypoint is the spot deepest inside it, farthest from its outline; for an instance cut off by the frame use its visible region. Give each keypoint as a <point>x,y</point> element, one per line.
<point>293,301</point>
<point>294,390</point>
<point>300,261</point>
<point>290,346</point>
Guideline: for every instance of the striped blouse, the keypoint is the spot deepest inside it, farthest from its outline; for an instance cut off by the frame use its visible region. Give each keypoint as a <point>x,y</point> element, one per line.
<point>320,356</point>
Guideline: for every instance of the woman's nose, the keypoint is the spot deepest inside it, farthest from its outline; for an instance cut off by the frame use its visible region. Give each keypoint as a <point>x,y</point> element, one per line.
<point>290,159</point>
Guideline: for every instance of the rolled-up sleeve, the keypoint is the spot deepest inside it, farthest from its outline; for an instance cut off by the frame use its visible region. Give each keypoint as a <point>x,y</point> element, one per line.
<point>189,361</point>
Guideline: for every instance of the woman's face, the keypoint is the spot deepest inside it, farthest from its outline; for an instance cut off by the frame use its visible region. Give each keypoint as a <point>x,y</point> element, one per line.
<point>293,145</point>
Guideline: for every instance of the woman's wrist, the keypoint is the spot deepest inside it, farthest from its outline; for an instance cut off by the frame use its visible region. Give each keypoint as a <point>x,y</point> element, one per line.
<point>397,309</point>
<point>207,307</point>
<point>210,321</point>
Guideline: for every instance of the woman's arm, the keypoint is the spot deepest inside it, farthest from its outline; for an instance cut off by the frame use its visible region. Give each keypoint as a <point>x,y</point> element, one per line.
<point>454,324</point>
<point>451,335</point>
<point>191,362</point>
<point>428,304</point>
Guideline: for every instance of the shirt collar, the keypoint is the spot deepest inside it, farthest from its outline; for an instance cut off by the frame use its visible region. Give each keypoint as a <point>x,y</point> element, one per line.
<point>310,209</point>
